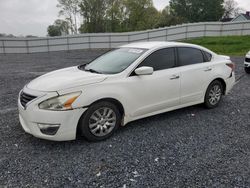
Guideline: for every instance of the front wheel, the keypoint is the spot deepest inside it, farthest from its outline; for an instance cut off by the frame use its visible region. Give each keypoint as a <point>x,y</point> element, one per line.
<point>247,69</point>
<point>213,94</point>
<point>100,121</point>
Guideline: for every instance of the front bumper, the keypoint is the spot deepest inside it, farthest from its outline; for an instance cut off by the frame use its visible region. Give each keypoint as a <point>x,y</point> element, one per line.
<point>246,62</point>
<point>31,116</point>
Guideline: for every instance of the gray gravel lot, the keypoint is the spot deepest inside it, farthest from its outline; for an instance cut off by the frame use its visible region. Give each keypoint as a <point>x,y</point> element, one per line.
<point>191,147</point>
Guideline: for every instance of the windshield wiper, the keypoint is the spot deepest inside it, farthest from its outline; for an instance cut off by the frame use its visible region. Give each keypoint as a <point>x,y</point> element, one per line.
<point>93,71</point>
<point>82,67</point>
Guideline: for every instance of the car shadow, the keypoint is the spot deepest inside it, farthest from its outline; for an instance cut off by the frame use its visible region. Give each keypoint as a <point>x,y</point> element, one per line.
<point>134,126</point>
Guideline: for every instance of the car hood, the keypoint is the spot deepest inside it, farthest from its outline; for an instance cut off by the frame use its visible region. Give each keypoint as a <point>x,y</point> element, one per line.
<point>65,79</point>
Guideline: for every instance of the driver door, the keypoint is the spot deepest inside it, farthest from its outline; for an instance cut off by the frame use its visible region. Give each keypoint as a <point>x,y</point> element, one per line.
<point>158,92</point>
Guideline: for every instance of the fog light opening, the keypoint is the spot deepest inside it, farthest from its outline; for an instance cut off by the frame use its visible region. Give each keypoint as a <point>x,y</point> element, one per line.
<point>48,129</point>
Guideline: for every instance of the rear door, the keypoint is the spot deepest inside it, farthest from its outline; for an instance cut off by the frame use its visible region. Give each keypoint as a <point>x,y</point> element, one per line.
<point>195,74</point>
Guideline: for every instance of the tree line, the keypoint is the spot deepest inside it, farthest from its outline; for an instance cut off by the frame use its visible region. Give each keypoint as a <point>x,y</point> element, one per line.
<point>95,16</point>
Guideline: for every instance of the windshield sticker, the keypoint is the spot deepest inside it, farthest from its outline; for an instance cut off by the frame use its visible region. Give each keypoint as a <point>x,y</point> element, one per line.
<point>136,51</point>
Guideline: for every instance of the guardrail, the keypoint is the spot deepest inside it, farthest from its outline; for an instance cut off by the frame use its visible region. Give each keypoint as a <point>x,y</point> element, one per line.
<point>112,40</point>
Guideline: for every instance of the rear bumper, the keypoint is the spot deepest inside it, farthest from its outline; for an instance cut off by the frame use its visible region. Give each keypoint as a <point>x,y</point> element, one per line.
<point>230,82</point>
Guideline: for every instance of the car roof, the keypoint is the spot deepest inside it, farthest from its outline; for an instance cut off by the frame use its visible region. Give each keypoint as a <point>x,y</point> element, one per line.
<point>153,45</point>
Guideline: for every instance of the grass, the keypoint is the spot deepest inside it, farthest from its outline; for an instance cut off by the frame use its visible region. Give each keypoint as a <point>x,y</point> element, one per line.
<point>228,45</point>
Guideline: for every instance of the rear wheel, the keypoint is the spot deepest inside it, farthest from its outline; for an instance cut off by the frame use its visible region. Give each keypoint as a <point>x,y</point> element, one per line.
<point>100,121</point>
<point>247,69</point>
<point>213,94</point>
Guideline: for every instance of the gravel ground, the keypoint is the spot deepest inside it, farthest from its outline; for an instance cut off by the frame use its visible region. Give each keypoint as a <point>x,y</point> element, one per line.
<point>191,147</point>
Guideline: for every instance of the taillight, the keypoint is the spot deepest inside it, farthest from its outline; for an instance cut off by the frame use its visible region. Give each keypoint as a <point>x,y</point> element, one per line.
<point>232,66</point>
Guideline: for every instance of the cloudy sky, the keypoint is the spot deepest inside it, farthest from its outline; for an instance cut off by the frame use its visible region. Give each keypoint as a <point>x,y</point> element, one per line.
<point>32,17</point>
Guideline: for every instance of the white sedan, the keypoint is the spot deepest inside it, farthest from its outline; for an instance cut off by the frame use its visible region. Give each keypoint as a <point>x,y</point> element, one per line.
<point>247,63</point>
<point>128,83</point>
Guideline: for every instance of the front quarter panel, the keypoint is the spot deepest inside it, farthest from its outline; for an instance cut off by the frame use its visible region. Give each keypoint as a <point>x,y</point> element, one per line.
<point>114,88</point>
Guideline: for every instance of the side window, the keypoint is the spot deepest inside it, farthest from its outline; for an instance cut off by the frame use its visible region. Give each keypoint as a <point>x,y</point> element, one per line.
<point>208,56</point>
<point>189,56</point>
<point>160,60</point>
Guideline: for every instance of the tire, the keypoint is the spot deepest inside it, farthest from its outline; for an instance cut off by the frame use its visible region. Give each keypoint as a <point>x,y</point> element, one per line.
<point>100,121</point>
<point>213,94</point>
<point>247,69</point>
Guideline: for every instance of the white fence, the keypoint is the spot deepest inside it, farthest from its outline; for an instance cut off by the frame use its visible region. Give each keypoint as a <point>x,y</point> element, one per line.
<point>111,40</point>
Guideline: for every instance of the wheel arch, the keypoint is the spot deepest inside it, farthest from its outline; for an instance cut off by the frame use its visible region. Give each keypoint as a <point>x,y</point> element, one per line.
<point>111,100</point>
<point>114,101</point>
<point>222,81</point>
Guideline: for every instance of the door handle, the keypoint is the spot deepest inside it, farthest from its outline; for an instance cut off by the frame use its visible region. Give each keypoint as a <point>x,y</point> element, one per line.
<point>208,69</point>
<point>174,77</point>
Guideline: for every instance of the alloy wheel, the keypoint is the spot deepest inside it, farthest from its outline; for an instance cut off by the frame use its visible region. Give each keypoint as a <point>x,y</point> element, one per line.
<point>215,95</point>
<point>102,121</point>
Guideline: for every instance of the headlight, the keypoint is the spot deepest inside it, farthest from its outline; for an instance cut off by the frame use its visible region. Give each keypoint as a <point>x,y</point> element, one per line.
<point>60,103</point>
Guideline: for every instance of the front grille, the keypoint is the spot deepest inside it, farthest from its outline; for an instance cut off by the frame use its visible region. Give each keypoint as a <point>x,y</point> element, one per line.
<point>247,60</point>
<point>25,98</point>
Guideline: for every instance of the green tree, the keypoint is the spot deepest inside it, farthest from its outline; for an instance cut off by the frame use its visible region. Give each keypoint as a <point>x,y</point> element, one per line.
<point>54,30</point>
<point>60,27</point>
<point>63,25</point>
<point>93,12</point>
<point>70,10</point>
<point>197,10</point>
<point>114,15</point>
<point>140,14</point>
<point>167,19</point>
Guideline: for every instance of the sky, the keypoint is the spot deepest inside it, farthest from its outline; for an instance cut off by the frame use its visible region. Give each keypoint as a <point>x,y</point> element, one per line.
<point>32,17</point>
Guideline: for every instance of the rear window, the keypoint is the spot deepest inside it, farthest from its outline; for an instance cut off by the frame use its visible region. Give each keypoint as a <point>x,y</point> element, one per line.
<point>190,56</point>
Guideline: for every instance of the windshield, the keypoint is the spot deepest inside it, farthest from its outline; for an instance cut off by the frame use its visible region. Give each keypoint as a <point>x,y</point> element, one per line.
<point>114,61</point>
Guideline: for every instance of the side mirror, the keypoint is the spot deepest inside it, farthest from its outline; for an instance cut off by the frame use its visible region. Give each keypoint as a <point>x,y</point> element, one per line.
<point>144,71</point>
